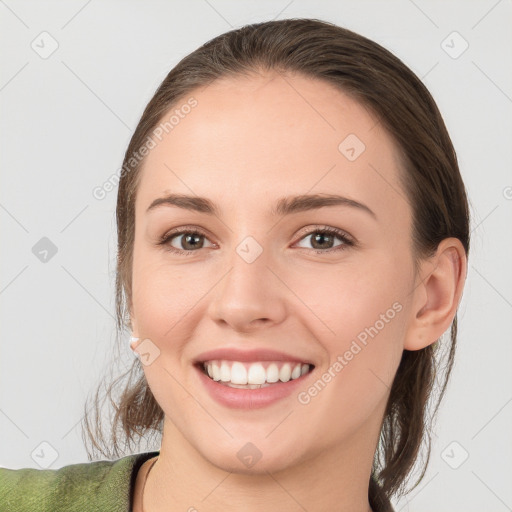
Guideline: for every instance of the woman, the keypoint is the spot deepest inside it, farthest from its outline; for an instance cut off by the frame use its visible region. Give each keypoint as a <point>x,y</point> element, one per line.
<point>293,234</point>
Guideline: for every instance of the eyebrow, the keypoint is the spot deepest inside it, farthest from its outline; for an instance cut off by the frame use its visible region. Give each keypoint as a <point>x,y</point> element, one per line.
<point>283,206</point>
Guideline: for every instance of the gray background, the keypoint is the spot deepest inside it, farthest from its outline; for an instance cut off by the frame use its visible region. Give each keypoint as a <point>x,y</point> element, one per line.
<point>65,123</point>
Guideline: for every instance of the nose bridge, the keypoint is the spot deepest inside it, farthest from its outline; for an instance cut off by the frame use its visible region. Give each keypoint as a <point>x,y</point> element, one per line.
<point>248,290</point>
<point>248,272</point>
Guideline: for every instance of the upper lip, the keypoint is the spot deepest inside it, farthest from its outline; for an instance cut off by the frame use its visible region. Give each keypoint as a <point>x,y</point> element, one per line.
<point>233,354</point>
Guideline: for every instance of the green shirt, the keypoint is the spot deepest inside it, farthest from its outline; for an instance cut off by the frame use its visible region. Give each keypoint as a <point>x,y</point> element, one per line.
<point>99,486</point>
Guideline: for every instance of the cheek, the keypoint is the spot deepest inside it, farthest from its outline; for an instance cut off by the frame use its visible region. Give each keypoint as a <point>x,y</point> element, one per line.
<point>347,298</point>
<point>363,342</point>
<point>358,315</point>
<point>163,294</point>
<point>163,301</point>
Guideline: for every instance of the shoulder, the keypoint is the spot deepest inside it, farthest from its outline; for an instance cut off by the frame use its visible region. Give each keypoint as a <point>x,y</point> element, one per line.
<point>97,485</point>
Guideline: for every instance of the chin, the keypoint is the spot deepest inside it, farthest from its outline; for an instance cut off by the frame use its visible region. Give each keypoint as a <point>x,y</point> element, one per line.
<point>251,457</point>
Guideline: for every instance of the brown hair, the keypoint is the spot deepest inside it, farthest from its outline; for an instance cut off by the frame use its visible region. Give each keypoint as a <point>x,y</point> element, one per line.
<point>430,177</point>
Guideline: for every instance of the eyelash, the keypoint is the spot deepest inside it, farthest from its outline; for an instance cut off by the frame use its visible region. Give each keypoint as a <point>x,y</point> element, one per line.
<point>347,242</point>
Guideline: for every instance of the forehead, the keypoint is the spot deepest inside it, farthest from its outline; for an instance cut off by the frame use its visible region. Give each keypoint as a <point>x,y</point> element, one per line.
<point>250,139</point>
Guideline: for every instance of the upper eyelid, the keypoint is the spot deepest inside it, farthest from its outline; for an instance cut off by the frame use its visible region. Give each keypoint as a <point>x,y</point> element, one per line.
<point>334,231</point>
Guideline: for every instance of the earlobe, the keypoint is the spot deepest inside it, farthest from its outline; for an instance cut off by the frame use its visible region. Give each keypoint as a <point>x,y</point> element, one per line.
<point>437,297</point>
<point>134,339</point>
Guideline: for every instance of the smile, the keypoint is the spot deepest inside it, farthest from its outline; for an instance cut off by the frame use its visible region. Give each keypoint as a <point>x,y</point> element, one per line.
<point>254,375</point>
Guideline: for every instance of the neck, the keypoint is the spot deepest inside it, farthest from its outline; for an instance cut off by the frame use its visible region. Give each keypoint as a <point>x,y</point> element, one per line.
<point>337,478</point>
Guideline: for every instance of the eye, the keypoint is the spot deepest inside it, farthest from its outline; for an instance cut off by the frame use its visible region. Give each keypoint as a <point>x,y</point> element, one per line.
<point>189,243</point>
<point>323,238</point>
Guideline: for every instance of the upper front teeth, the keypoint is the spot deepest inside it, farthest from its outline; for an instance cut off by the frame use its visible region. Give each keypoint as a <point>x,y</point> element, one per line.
<point>254,373</point>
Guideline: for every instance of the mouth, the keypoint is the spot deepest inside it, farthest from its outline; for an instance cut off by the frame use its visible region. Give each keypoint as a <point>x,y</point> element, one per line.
<point>253,375</point>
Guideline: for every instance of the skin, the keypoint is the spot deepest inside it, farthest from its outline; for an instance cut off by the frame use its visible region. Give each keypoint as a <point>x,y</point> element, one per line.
<point>265,137</point>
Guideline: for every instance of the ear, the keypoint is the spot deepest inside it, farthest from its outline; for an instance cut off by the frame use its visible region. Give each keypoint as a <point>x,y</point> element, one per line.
<point>437,294</point>
<point>134,333</point>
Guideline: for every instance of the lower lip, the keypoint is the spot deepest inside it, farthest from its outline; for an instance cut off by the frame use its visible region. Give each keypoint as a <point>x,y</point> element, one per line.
<point>237,398</point>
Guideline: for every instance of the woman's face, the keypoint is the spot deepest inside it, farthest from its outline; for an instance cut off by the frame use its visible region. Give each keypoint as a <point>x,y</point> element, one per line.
<point>259,279</point>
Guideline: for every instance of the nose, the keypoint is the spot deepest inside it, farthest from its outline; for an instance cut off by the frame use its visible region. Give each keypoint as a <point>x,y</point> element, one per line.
<point>249,295</point>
